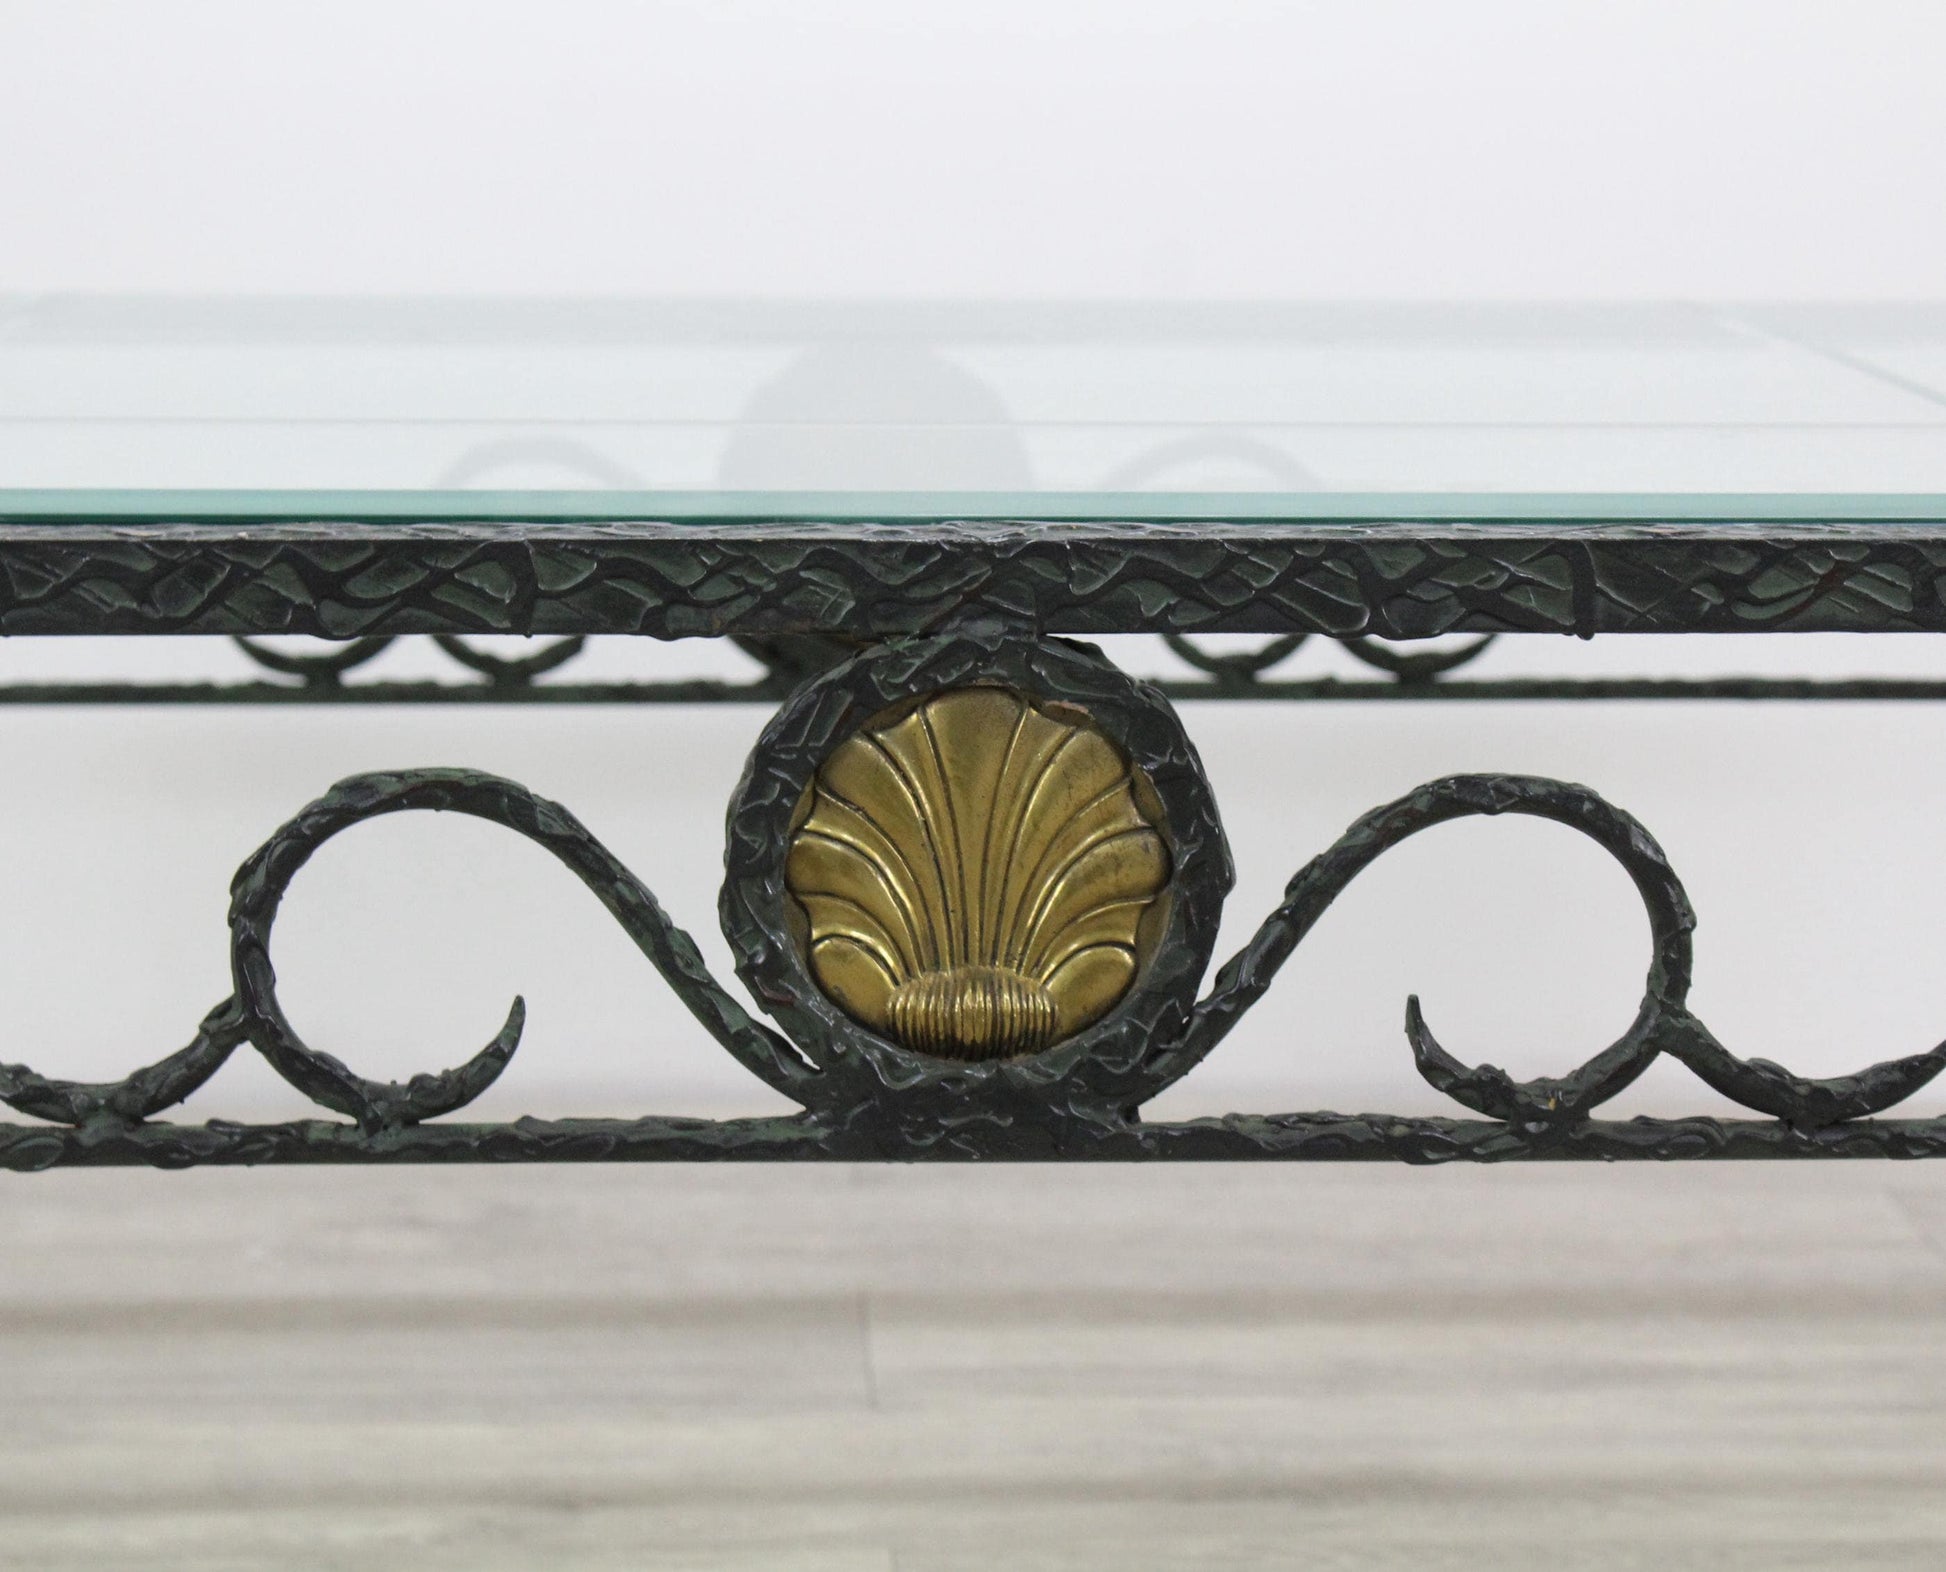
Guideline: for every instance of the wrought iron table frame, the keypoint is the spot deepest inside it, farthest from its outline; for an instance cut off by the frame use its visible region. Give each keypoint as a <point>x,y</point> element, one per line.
<point>852,615</point>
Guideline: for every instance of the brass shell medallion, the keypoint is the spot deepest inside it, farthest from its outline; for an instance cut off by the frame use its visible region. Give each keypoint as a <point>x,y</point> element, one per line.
<point>974,872</point>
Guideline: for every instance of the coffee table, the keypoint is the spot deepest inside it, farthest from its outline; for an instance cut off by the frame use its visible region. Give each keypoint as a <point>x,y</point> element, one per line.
<point>974,870</point>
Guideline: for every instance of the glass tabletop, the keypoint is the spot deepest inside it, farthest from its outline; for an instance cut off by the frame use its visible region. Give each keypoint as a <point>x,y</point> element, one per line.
<point>900,410</point>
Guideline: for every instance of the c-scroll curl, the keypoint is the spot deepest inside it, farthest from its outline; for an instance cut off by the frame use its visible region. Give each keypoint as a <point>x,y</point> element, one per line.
<point>511,671</point>
<point>1663,1021</point>
<point>322,670</point>
<point>1239,668</point>
<point>259,889</point>
<point>1416,666</point>
<point>137,1096</point>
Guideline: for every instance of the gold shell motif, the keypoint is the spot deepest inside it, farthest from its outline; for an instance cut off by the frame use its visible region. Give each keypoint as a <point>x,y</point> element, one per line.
<point>974,871</point>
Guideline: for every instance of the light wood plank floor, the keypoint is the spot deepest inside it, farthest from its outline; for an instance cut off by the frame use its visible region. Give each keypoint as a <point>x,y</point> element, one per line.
<point>927,1370</point>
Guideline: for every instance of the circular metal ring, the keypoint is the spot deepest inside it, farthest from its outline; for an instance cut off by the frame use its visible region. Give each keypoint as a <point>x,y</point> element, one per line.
<point>767,933</point>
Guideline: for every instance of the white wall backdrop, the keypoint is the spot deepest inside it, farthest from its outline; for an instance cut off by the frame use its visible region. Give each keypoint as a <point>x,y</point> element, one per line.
<point>1264,148</point>
<point>1496,150</point>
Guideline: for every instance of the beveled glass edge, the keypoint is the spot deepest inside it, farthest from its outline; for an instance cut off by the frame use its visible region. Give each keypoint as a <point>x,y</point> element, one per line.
<point>171,318</point>
<point>717,507</point>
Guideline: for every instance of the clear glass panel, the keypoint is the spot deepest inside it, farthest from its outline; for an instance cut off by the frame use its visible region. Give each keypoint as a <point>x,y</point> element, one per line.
<point>671,409</point>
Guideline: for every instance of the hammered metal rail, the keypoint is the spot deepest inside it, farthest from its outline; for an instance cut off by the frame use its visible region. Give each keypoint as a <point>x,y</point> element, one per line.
<point>763,577</point>
<point>793,592</point>
<point>866,1095</point>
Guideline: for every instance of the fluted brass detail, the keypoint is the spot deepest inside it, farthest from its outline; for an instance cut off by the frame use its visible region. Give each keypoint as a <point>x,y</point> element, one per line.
<point>974,871</point>
<point>989,1008</point>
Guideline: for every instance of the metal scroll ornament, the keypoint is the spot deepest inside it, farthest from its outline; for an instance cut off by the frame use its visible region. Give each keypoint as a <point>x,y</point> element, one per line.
<point>976,872</point>
<point>975,880</point>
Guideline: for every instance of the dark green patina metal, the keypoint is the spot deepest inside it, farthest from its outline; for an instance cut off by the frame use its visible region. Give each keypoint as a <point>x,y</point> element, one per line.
<point>793,592</point>
<point>847,617</point>
<point>346,578</point>
<point>887,1104</point>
